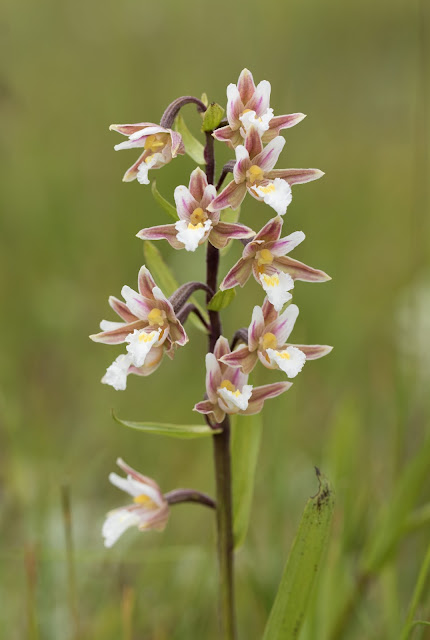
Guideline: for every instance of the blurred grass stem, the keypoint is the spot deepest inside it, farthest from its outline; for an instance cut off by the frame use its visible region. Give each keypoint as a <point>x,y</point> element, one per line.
<point>71,574</point>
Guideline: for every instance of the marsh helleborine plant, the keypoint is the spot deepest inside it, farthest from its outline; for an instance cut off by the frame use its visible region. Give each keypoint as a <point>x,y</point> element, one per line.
<point>151,324</point>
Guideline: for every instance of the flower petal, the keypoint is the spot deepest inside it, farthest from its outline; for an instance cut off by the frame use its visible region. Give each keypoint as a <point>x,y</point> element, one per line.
<point>235,105</point>
<point>260,100</point>
<point>313,351</point>
<point>121,309</point>
<point>226,134</point>
<point>185,202</point>
<point>276,193</point>
<point>294,176</point>
<point>213,377</point>
<point>232,196</point>
<point>243,163</point>
<point>209,194</point>
<point>116,523</point>
<point>256,328</point>
<point>261,394</point>
<point>299,270</point>
<point>118,335</point>
<point>282,122</point>
<point>145,282</point>
<point>253,143</point>
<point>271,230</point>
<point>267,159</point>
<point>131,173</point>
<point>225,231</point>
<point>284,324</point>
<point>285,245</point>
<point>277,288</point>
<point>129,129</point>
<point>246,86</point>
<point>198,184</point>
<point>137,304</point>
<point>162,232</point>
<point>222,347</point>
<point>241,358</point>
<point>178,147</point>
<point>190,235</point>
<point>238,275</point>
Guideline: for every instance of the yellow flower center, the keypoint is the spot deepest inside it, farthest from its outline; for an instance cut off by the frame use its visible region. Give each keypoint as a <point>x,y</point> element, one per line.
<point>269,341</point>
<point>246,111</point>
<point>268,189</point>
<point>255,174</point>
<point>147,337</point>
<point>226,384</point>
<point>155,142</point>
<point>264,257</point>
<point>146,501</point>
<point>198,215</point>
<point>195,226</point>
<point>157,316</point>
<point>285,355</point>
<point>271,281</point>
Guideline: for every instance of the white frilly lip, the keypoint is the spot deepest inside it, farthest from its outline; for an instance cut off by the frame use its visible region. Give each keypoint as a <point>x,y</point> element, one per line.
<point>277,288</point>
<point>116,373</point>
<point>144,167</point>
<point>191,235</point>
<point>140,344</point>
<point>291,365</point>
<point>236,400</point>
<point>116,523</point>
<point>250,119</point>
<point>277,194</point>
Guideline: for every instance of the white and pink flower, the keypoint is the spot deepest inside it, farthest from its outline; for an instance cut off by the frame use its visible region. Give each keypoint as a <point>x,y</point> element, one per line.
<point>149,510</point>
<point>267,341</point>
<point>249,105</point>
<point>265,257</point>
<point>196,222</point>
<point>227,388</point>
<point>160,147</point>
<point>150,327</point>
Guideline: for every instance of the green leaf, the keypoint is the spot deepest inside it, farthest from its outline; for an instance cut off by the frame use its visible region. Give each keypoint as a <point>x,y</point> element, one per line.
<point>204,99</point>
<point>159,269</point>
<point>166,280</point>
<point>221,300</point>
<point>184,431</point>
<point>295,590</point>
<point>230,215</point>
<point>193,147</point>
<point>212,117</point>
<point>164,204</point>
<point>245,445</point>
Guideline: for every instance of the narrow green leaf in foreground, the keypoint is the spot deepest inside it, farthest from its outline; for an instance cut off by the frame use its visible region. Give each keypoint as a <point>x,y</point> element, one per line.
<point>221,300</point>
<point>300,573</point>
<point>185,431</point>
<point>164,204</point>
<point>166,280</point>
<point>193,147</point>
<point>245,445</point>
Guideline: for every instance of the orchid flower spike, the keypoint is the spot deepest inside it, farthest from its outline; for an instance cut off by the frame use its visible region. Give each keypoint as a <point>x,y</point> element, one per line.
<point>160,147</point>
<point>149,510</point>
<point>228,391</point>
<point>248,105</point>
<point>150,327</point>
<point>265,257</point>
<point>196,223</point>
<point>254,172</point>
<point>267,342</point>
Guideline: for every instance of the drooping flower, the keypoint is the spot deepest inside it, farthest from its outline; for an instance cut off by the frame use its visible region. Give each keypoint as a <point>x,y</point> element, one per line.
<point>228,390</point>
<point>196,224</point>
<point>254,172</point>
<point>150,327</point>
<point>267,341</point>
<point>160,147</point>
<point>149,510</point>
<point>265,257</point>
<point>248,105</point>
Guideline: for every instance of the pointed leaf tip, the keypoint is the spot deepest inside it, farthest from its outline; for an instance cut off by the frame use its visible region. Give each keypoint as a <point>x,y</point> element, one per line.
<point>221,300</point>
<point>300,573</point>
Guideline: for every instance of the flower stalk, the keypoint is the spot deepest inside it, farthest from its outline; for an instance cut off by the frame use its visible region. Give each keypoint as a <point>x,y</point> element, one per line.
<point>221,448</point>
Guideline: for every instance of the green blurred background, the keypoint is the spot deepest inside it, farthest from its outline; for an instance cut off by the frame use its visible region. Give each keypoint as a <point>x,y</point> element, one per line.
<point>360,71</point>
